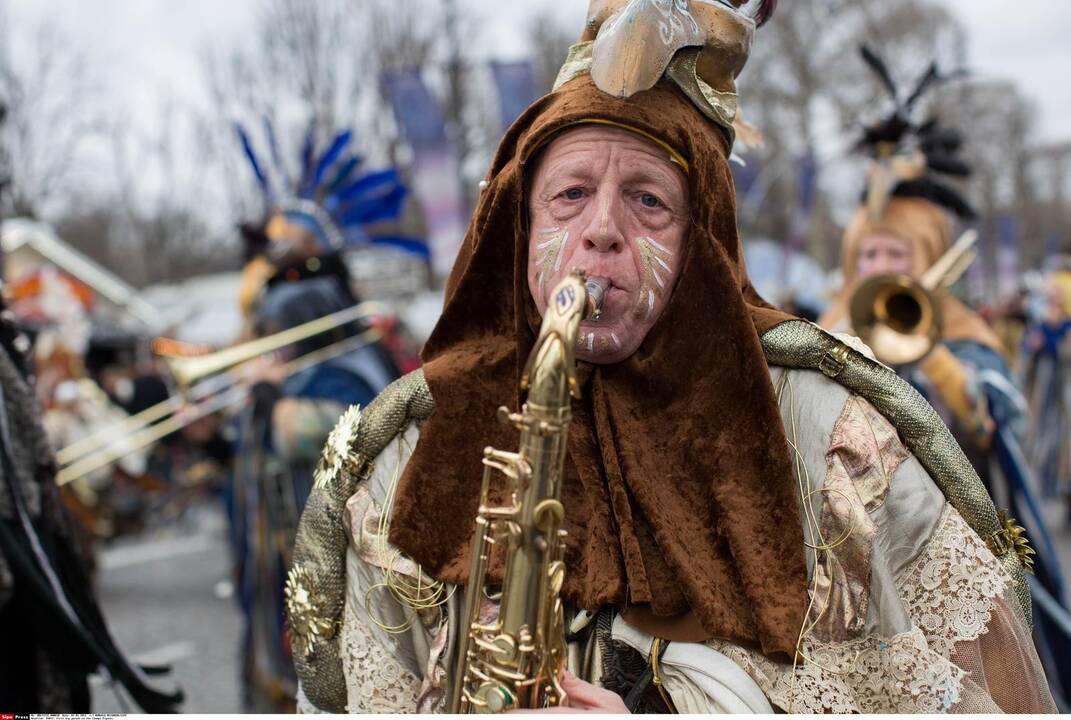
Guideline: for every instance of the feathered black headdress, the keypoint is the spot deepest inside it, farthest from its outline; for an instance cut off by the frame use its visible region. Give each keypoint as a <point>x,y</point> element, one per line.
<point>908,159</point>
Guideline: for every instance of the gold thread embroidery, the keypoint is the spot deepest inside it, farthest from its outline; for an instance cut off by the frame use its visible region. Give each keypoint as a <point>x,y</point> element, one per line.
<point>420,592</point>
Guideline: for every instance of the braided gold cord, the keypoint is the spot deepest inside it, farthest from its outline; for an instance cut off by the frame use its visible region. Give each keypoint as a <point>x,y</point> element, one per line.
<point>320,546</point>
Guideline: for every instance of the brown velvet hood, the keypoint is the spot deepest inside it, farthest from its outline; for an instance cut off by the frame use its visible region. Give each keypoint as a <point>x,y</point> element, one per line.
<point>679,494</point>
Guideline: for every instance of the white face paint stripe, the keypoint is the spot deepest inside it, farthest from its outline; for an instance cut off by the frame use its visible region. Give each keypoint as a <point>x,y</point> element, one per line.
<point>561,255</point>
<point>617,340</point>
<point>550,251</point>
<point>591,341</point>
<point>605,227</point>
<point>652,264</point>
<point>663,248</point>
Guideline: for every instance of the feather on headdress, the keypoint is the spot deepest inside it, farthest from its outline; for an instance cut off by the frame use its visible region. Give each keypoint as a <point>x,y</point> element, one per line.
<point>330,196</point>
<point>908,159</point>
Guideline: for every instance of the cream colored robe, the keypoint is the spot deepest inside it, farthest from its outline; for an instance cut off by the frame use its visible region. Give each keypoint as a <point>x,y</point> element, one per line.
<point>910,611</point>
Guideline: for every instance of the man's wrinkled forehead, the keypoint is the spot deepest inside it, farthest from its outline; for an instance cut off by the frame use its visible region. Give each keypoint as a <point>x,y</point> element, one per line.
<point>573,150</point>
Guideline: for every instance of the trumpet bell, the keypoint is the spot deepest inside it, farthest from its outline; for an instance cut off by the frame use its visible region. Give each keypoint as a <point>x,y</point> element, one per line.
<point>897,317</point>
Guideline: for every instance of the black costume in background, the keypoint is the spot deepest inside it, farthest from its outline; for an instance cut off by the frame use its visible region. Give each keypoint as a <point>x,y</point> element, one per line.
<point>53,632</point>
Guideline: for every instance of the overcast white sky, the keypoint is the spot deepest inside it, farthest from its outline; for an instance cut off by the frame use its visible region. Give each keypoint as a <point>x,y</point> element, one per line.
<point>144,46</point>
<point>149,51</point>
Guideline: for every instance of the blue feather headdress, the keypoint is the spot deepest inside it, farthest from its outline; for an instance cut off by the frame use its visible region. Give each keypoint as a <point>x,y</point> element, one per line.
<point>330,196</point>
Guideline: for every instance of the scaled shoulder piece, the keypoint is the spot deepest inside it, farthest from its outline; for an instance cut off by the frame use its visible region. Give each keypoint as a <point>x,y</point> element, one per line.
<point>316,583</point>
<point>803,345</point>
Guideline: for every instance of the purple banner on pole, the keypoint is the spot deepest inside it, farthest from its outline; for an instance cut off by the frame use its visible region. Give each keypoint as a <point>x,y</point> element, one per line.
<point>417,112</point>
<point>977,280</point>
<point>516,89</point>
<point>1053,243</point>
<point>1007,256</point>
<point>435,180</point>
<point>745,176</point>
<point>748,190</point>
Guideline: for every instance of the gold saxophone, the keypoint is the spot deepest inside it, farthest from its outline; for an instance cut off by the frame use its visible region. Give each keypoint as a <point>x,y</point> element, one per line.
<point>514,662</point>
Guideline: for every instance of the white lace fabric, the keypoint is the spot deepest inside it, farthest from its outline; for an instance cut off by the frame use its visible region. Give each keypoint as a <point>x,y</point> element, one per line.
<point>392,655</point>
<point>376,682</point>
<point>951,589</point>
<point>949,593</point>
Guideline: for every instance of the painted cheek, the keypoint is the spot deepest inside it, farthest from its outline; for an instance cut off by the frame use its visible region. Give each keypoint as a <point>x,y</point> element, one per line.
<point>549,251</point>
<point>657,263</point>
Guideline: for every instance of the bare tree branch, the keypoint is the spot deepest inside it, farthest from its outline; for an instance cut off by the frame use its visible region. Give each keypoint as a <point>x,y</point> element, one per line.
<point>53,109</point>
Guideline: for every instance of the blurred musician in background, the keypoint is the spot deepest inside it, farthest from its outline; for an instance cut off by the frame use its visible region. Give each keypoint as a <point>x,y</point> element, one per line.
<point>57,307</point>
<point>296,273</point>
<point>903,227</point>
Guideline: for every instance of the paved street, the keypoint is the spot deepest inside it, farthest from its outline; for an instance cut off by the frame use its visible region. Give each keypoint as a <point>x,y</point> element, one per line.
<point>160,595</point>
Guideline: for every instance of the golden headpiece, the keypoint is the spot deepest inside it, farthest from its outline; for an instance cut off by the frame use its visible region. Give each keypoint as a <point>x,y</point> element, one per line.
<point>701,45</point>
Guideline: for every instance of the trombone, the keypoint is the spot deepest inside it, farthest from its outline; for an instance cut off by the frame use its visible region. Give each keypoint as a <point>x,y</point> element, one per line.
<point>900,317</point>
<point>205,389</point>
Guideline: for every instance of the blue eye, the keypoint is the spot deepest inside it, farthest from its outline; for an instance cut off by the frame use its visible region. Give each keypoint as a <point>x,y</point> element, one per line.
<point>649,200</point>
<point>573,193</point>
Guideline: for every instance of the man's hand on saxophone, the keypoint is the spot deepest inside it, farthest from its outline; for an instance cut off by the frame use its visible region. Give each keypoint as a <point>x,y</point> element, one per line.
<point>585,698</point>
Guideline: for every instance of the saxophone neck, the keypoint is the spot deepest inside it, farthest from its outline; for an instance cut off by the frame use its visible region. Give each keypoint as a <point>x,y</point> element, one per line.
<point>550,374</point>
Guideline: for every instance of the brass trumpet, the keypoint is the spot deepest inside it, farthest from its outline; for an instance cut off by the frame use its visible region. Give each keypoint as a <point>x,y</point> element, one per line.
<point>208,384</point>
<point>187,370</point>
<point>900,317</point>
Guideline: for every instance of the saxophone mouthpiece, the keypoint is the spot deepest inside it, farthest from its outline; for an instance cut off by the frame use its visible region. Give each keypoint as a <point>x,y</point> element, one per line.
<point>597,288</point>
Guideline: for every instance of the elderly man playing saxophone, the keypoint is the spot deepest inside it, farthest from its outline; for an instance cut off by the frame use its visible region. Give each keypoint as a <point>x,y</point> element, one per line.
<point>746,527</point>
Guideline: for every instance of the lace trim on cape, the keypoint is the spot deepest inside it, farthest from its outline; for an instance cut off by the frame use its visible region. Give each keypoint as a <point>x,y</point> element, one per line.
<point>949,592</point>
<point>375,681</point>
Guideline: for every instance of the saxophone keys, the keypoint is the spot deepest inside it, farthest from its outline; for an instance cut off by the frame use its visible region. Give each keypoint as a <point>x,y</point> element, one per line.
<point>505,417</point>
<point>505,649</point>
<point>492,697</point>
<point>548,514</point>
